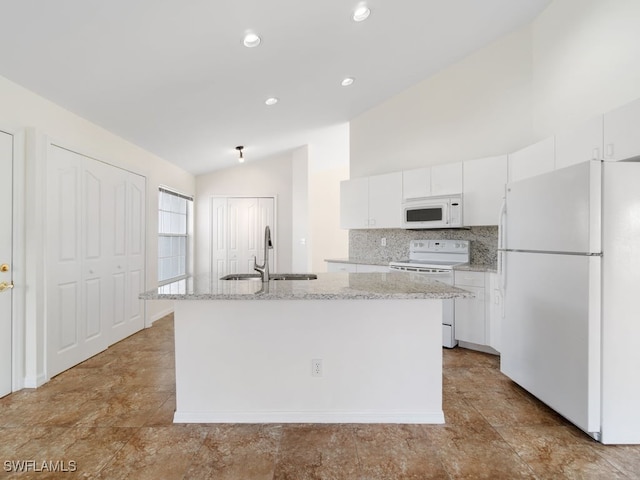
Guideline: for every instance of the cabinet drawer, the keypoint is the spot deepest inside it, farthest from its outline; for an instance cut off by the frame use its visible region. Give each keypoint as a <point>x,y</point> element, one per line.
<point>471,279</point>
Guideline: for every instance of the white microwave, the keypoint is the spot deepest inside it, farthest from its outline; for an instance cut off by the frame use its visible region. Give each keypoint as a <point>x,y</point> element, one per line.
<point>432,212</point>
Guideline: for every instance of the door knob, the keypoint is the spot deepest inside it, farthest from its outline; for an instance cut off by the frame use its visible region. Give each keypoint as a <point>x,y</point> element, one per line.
<point>5,286</point>
<point>4,267</point>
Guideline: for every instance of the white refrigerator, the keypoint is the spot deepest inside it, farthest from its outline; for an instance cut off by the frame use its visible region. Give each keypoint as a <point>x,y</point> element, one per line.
<point>570,265</point>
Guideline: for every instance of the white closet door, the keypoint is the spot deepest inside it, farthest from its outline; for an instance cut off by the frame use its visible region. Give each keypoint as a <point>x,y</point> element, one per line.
<point>95,257</point>
<point>243,239</point>
<point>237,233</point>
<point>6,233</point>
<point>129,273</point>
<point>266,217</point>
<point>74,290</point>
<point>118,270</point>
<point>218,237</point>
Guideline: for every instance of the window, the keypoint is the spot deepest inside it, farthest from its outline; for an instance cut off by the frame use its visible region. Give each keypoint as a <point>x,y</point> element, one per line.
<point>173,235</point>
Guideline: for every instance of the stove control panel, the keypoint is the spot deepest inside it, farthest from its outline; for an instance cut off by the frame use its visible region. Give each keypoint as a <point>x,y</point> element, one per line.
<point>439,246</point>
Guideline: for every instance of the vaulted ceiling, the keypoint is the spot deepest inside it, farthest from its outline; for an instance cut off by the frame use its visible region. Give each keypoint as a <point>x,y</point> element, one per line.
<point>174,77</point>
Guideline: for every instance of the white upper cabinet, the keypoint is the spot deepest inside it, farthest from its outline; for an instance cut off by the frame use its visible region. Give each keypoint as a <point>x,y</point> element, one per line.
<point>580,144</point>
<point>532,160</point>
<point>354,203</point>
<point>484,180</point>
<point>416,183</point>
<point>371,202</point>
<point>443,179</point>
<point>446,179</point>
<point>385,200</point>
<point>622,132</point>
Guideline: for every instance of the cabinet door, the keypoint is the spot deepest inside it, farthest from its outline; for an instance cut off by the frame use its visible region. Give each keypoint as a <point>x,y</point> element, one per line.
<point>446,179</point>
<point>354,203</point>
<point>470,317</point>
<point>580,144</point>
<point>416,183</point>
<point>621,132</point>
<point>385,200</point>
<point>494,311</point>
<point>484,180</point>
<point>532,160</point>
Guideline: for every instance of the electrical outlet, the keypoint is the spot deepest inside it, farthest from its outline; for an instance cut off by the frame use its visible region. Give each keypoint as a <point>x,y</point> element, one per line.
<point>383,242</point>
<point>316,367</point>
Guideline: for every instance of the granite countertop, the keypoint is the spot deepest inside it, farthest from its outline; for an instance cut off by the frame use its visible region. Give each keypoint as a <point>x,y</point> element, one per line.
<point>328,286</point>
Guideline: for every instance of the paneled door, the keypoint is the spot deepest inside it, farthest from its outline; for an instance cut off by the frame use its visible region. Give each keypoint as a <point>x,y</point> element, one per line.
<point>76,263</point>
<point>237,234</point>
<point>6,253</point>
<point>95,256</point>
<point>127,254</point>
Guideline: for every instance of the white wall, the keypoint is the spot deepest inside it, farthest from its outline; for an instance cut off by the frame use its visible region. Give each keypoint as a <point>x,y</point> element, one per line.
<point>586,61</point>
<point>300,241</point>
<point>271,177</point>
<point>328,165</point>
<point>578,59</point>
<point>478,107</point>
<point>44,119</point>
<point>307,184</point>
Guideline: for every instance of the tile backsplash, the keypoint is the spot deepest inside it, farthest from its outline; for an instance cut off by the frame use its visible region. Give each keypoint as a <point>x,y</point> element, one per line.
<point>365,245</point>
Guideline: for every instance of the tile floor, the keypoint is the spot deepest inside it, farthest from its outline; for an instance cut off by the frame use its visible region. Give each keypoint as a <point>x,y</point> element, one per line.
<point>111,418</point>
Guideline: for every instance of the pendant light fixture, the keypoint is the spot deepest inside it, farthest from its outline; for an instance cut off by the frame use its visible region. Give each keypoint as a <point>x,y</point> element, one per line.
<point>241,156</point>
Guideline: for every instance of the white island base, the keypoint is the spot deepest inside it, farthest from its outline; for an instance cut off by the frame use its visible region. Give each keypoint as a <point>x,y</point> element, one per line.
<point>251,361</point>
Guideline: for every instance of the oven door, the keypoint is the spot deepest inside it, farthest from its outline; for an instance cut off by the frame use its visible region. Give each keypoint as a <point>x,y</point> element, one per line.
<point>425,215</point>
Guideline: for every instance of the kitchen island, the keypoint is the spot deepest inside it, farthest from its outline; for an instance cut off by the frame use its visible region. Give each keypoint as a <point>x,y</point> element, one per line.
<point>345,348</point>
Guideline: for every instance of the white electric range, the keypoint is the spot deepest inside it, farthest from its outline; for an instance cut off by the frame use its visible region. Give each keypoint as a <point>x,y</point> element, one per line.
<point>437,258</point>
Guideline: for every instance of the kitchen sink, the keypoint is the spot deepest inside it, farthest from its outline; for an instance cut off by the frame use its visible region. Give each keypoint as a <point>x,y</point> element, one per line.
<point>293,276</point>
<point>273,276</point>
<point>242,276</point>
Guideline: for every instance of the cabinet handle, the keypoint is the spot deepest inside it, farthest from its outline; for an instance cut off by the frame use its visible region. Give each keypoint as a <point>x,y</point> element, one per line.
<point>609,150</point>
<point>596,153</point>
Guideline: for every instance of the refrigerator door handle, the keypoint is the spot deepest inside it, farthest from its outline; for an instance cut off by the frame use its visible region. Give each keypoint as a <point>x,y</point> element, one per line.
<point>502,275</point>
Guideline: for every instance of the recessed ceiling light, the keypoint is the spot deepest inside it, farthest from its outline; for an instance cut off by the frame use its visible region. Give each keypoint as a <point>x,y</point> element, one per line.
<point>271,101</point>
<point>251,40</point>
<point>361,13</point>
<point>347,81</point>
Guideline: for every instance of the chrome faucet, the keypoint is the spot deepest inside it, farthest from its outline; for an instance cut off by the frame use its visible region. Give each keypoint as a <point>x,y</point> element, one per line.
<point>264,268</point>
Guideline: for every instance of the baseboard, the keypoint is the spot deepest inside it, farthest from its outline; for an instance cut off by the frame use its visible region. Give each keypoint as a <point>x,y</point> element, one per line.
<point>159,315</point>
<point>478,348</point>
<point>34,382</point>
<point>309,417</point>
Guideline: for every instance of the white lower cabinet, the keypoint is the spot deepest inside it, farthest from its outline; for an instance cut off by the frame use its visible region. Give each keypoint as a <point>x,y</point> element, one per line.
<point>477,320</point>
<point>494,310</point>
<point>470,325</point>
